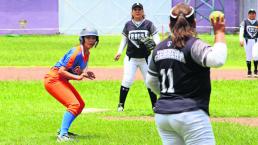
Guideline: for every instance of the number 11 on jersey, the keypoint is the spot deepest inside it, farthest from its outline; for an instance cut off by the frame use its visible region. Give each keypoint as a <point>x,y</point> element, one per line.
<point>167,75</point>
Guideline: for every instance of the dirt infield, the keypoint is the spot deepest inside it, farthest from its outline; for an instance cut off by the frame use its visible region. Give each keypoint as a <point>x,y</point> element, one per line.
<point>252,122</point>
<point>37,73</point>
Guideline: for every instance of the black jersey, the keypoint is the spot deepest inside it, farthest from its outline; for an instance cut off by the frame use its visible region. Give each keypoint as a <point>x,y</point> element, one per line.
<point>134,33</point>
<point>250,30</point>
<point>184,79</point>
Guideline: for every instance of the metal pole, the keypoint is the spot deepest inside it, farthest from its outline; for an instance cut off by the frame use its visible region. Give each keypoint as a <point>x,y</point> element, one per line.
<point>187,1</point>
<point>208,6</point>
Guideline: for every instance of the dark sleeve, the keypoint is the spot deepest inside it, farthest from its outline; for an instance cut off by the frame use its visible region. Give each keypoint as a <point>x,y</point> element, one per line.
<point>153,29</point>
<point>125,30</point>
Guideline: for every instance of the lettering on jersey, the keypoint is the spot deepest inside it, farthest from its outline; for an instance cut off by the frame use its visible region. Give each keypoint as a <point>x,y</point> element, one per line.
<point>136,35</point>
<point>77,70</point>
<point>251,30</point>
<point>170,54</point>
<point>169,43</point>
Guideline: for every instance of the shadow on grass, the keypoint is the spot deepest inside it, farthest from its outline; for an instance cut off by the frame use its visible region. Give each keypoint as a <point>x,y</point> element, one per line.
<point>88,136</point>
<point>81,137</point>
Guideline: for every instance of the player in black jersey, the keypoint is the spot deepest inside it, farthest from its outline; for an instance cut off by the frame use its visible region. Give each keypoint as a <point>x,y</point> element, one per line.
<point>135,33</point>
<point>179,71</point>
<point>248,36</point>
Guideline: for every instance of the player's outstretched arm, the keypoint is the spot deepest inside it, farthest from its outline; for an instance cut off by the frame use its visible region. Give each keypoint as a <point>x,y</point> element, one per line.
<point>215,56</point>
<point>218,54</point>
<point>218,24</point>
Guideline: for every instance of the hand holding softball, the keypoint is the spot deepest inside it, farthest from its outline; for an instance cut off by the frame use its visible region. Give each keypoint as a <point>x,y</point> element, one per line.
<point>217,21</point>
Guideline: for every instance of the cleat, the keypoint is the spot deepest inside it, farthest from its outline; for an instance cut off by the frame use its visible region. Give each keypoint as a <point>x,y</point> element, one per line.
<point>249,74</point>
<point>255,74</point>
<point>69,134</point>
<point>120,107</point>
<point>64,138</point>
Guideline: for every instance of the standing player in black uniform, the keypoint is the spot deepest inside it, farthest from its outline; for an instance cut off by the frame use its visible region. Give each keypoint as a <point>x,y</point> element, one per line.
<point>248,36</point>
<point>179,71</point>
<point>136,34</point>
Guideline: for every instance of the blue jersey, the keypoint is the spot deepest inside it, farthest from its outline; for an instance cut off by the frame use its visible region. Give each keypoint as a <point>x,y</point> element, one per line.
<point>74,61</point>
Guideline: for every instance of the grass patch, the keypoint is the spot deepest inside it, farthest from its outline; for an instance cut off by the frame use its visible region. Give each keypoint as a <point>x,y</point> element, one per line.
<point>234,98</point>
<point>46,50</point>
<point>234,134</point>
<point>29,115</point>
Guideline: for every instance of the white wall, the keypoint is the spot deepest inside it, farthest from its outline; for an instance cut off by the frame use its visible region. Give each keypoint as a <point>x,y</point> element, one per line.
<point>108,16</point>
<point>245,5</point>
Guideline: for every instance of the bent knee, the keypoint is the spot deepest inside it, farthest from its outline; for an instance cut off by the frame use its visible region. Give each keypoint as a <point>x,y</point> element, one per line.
<point>76,108</point>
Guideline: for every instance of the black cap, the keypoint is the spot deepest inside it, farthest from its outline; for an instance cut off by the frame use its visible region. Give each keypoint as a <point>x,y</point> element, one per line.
<point>251,11</point>
<point>139,5</point>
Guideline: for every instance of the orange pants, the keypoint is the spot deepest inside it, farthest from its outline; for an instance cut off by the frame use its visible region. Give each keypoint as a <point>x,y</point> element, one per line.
<point>63,91</point>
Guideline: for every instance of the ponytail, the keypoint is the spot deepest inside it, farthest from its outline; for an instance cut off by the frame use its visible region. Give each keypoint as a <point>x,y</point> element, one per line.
<point>182,24</point>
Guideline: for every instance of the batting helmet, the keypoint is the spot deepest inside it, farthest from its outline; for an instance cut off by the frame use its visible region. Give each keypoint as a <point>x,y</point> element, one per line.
<point>89,31</point>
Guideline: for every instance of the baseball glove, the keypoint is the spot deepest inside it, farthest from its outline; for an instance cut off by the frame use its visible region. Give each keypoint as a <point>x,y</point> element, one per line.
<point>148,42</point>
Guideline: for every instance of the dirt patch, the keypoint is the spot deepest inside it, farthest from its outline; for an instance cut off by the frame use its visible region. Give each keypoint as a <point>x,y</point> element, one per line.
<point>14,73</point>
<point>94,110</point>
<point>37,73</point>
<point>253,122</point>
<point>240,120</point>
<point>130,118</point>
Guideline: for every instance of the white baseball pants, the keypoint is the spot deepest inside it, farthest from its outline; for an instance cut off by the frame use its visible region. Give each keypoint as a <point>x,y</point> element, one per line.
<point>130,67</point>
<point>187,128</point>
<point>248,49</point>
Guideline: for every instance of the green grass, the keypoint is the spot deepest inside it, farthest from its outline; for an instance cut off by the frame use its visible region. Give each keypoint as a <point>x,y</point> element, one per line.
<point>234,98</point>
<point>29,115</point>
<point>234,134</point>
<point>46,50</point>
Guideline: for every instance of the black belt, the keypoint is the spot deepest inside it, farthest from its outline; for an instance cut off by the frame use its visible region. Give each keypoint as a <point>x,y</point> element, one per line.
<point>246,40</point>
<point>146,58</point>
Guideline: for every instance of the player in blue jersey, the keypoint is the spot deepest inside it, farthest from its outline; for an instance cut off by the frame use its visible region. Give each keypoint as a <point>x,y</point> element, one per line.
<point>136,35</point>
<point>71,67</point>
<point>179,71</point>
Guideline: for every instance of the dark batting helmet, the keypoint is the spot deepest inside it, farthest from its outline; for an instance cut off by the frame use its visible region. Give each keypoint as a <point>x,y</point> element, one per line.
<point>89,31</point>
